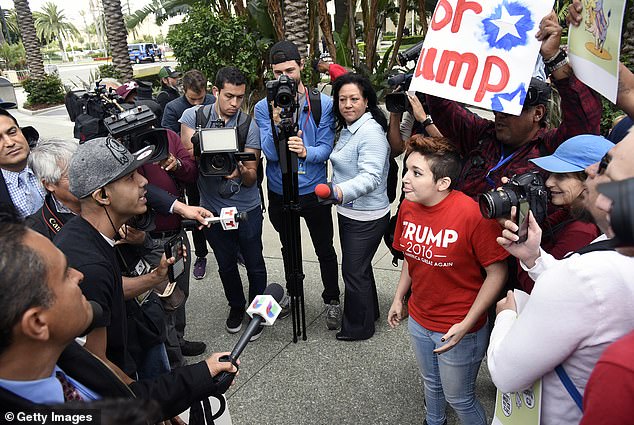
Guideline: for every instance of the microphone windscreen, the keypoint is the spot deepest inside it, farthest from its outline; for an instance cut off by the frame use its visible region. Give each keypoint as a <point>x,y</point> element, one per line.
<point>322,190</point>
<point>275,290</point>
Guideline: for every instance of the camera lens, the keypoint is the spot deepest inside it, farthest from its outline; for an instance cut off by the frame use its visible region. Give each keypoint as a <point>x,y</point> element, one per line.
<point>218,162</point>
<point>284,97</point>
<point>495,204</point>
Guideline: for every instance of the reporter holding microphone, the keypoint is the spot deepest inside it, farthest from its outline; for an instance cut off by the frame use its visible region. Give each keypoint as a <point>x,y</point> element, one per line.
<point>359,186</point>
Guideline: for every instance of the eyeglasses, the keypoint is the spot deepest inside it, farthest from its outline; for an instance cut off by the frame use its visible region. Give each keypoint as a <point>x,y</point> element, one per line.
<point>604,163</point>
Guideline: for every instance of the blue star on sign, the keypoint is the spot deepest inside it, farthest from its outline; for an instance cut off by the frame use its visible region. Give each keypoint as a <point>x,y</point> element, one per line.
<point>508,26</point>
<point>501,101</point>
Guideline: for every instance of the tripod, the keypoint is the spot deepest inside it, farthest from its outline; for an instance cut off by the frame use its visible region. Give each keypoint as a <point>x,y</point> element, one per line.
<point>292,239</point>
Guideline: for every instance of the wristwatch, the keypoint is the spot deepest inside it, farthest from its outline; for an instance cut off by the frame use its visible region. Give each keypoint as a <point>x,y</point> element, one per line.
<point>428,121</point>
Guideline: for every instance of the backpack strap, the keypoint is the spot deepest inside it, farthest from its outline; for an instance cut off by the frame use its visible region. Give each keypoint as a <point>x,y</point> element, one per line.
<point>202,115</point>
<point>605,245</point>
<point>314,98</point>
<point>570,387</point>
<point>243,125</point>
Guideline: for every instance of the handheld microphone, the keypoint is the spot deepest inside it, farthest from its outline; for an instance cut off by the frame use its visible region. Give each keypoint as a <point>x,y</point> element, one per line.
<point>263,311</point>
<point>326,193</point>
<point>229,219</point>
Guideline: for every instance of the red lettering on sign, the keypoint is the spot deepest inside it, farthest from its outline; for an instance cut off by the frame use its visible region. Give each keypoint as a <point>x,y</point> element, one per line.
<point>485,84</point>
<point>425,66</point>
<point>461,7</point>
<point>458,61</point>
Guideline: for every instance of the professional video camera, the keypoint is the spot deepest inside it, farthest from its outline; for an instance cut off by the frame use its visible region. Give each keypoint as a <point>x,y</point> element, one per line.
<point>410,54</point>
<point>397,101</point>
<point>133,128</point>
<point>88,110</point>
<point>528,187</point>
<point>217,148</point>
<point>621,218</point>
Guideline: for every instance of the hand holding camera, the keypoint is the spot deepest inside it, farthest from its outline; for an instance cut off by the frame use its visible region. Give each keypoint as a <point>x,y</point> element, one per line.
<point>528,250</point>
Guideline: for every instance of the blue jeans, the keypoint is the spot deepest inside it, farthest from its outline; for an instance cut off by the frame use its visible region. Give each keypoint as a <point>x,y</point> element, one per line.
<point>248,240</point>
<point>450,377</point>
<point>155,364</point>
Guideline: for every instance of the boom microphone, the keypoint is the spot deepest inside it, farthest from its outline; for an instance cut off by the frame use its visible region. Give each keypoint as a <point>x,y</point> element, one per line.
<point>263,311</point>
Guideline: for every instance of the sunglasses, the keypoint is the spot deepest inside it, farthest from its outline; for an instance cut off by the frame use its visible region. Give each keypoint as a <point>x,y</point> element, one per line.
<point>604,163</point>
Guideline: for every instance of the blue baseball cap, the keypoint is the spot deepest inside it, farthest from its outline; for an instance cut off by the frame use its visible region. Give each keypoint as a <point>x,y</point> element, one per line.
<point>575,154</point>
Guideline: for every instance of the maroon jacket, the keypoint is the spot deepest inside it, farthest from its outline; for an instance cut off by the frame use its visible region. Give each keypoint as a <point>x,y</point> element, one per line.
<point>481,151</point>
<point>171,181</point>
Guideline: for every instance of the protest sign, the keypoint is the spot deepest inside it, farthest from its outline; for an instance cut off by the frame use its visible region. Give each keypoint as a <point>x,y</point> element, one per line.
<point>481,52</point>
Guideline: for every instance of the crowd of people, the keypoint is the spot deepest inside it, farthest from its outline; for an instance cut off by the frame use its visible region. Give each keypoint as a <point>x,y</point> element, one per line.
<point>95,315</point>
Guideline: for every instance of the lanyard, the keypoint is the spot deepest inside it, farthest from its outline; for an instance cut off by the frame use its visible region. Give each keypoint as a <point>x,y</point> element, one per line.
<point>500,163</point>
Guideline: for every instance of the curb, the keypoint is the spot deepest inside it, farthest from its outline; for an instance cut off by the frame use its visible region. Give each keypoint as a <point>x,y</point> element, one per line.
<point>39,111</point>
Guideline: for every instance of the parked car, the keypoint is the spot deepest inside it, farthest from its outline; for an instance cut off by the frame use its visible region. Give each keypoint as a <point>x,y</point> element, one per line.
<point>141,52</point>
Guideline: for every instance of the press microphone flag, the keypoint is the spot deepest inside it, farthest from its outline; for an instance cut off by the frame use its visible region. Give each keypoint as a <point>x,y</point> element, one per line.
<point>266,307</point>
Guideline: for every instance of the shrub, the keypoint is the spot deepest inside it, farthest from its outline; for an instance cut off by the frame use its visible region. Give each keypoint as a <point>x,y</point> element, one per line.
<point>13,55</point>
<point>226,40</point>
<point>109,71</point>
<point>48,90</point>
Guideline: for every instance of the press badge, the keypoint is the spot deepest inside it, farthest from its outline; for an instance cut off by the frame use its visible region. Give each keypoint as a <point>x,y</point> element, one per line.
<point>301,166</point>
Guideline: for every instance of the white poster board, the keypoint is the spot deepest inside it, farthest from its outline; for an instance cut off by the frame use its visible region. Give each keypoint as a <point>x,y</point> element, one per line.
<point>481,52</point>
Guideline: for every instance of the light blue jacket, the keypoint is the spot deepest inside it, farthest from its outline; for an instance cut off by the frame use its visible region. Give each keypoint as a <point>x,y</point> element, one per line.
<point>360,165</point>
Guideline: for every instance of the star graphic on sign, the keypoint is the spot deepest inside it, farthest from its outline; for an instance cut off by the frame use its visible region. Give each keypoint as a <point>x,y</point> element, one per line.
<point>502,102</point>
<point>508,26</point>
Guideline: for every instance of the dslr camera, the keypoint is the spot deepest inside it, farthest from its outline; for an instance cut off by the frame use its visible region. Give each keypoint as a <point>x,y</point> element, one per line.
<point>526,192</point>
<point>282,92</point>
<point>133,128</point>
<point>218,150</point>
<point>397,101</point>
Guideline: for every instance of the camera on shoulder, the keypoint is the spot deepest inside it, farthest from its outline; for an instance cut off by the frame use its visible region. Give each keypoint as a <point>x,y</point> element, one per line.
<point>219,152</point>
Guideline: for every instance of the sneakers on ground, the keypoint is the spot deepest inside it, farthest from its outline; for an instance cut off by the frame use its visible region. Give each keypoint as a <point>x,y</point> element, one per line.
<point>200,268</point>
<point>286,307</point>
<point>334,313</point>
<point>256,335</point>
<point>234,321</point>
<point>192,348</point>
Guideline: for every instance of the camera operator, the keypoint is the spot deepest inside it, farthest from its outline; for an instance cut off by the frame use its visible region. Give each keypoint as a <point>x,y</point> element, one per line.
<point>18,185</point>
<point>103,175</point>
<point>171,175</point>
<point>579,305</point>
<point>42,311</point>
<point>238,189</point>
<point>313,146</point>
<point>195,93</point>
<point>493,149</point>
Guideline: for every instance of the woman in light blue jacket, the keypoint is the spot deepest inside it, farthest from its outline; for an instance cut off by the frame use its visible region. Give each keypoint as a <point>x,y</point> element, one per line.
<point>360,168</point>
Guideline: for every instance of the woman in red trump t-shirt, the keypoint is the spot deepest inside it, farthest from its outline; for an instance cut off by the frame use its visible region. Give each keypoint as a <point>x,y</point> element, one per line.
<point>446,243</point>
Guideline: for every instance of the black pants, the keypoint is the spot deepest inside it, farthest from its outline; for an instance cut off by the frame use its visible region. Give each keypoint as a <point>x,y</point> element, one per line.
<point>200,242</point>
<point>319,222</point>
<point>359,242</point>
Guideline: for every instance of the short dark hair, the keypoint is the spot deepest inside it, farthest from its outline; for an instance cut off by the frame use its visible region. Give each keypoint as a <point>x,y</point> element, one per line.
<point>441,155</point>
<point>368,93</point>
<point>195,81</point>
<point>231,75</point>
<point>8,114</point>
<point>23,276</point>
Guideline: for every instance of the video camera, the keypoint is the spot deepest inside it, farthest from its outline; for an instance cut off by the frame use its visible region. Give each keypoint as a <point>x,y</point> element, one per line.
<point>621,218</point>
<point>133,128</point>
<point>525,187</point>
<point>88,110</point>
<point>397,101</point>
<point>218,150</point>
<point>410,54</point>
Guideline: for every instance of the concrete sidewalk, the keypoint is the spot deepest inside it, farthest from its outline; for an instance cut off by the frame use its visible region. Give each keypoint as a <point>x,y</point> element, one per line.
<point>317,381</point>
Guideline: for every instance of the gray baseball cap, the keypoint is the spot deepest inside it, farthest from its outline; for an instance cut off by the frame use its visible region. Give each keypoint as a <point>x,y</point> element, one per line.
<point>100,161</point>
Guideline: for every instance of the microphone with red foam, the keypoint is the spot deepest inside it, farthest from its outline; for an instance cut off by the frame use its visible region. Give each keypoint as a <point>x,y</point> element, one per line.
<point>327,193</point>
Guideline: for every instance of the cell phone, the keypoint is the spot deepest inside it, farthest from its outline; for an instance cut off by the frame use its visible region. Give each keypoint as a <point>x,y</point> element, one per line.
<point>175,248</point>
<point>523,210</point>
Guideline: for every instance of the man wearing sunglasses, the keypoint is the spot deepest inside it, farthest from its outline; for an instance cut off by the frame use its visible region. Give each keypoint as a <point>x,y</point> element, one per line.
<point>499,148</point>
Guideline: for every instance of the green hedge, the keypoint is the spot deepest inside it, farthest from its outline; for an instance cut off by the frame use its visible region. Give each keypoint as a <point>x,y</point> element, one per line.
<point>48,91</point>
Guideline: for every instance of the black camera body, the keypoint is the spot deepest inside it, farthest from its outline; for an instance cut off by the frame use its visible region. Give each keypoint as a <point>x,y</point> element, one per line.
<point>133,128</point>
<point>410,54</point>
<point>217,148</point>
<point>528,187</point>
<point>399,103</point>
<point>282,92</point>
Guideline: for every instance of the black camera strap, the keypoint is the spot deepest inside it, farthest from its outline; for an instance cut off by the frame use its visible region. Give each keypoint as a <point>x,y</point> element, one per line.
<point>53,222</point>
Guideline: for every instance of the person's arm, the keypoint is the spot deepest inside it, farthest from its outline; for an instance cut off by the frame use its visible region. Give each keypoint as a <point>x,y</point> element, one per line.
<point>421,116</point>
<point>625,94</point>
<point>266,136</point>
<point>397,144</point>
<point>186,171</point>
<point>170,120</point>
<point>373,150</point>
<point>134,286</point>
<point>96,343</point>
<point>247,170</point>
<point>496,274</point>
<point>159,199</point>
<point>320,150</point>
<point>395,313</point>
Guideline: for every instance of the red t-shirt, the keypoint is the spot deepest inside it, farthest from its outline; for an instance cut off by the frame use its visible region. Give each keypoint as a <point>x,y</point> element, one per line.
<point>445,247</point>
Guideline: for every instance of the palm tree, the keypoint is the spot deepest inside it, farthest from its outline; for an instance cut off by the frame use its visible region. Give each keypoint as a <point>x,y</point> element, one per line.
<point>29,38</point>
<point>296,24</point>
<point>51,24</point>
<point>117,38</point>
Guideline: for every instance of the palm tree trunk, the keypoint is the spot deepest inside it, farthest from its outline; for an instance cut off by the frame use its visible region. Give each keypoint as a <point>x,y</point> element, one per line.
<point>296,24</point>
<point>29,38</point>
<point>117,38</point>
<point>402,4</point>
<point>324,24</point>
<point>275,12</point>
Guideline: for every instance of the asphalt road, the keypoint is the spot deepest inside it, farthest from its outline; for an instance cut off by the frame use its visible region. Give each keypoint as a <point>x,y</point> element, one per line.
<point>74,74</point>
